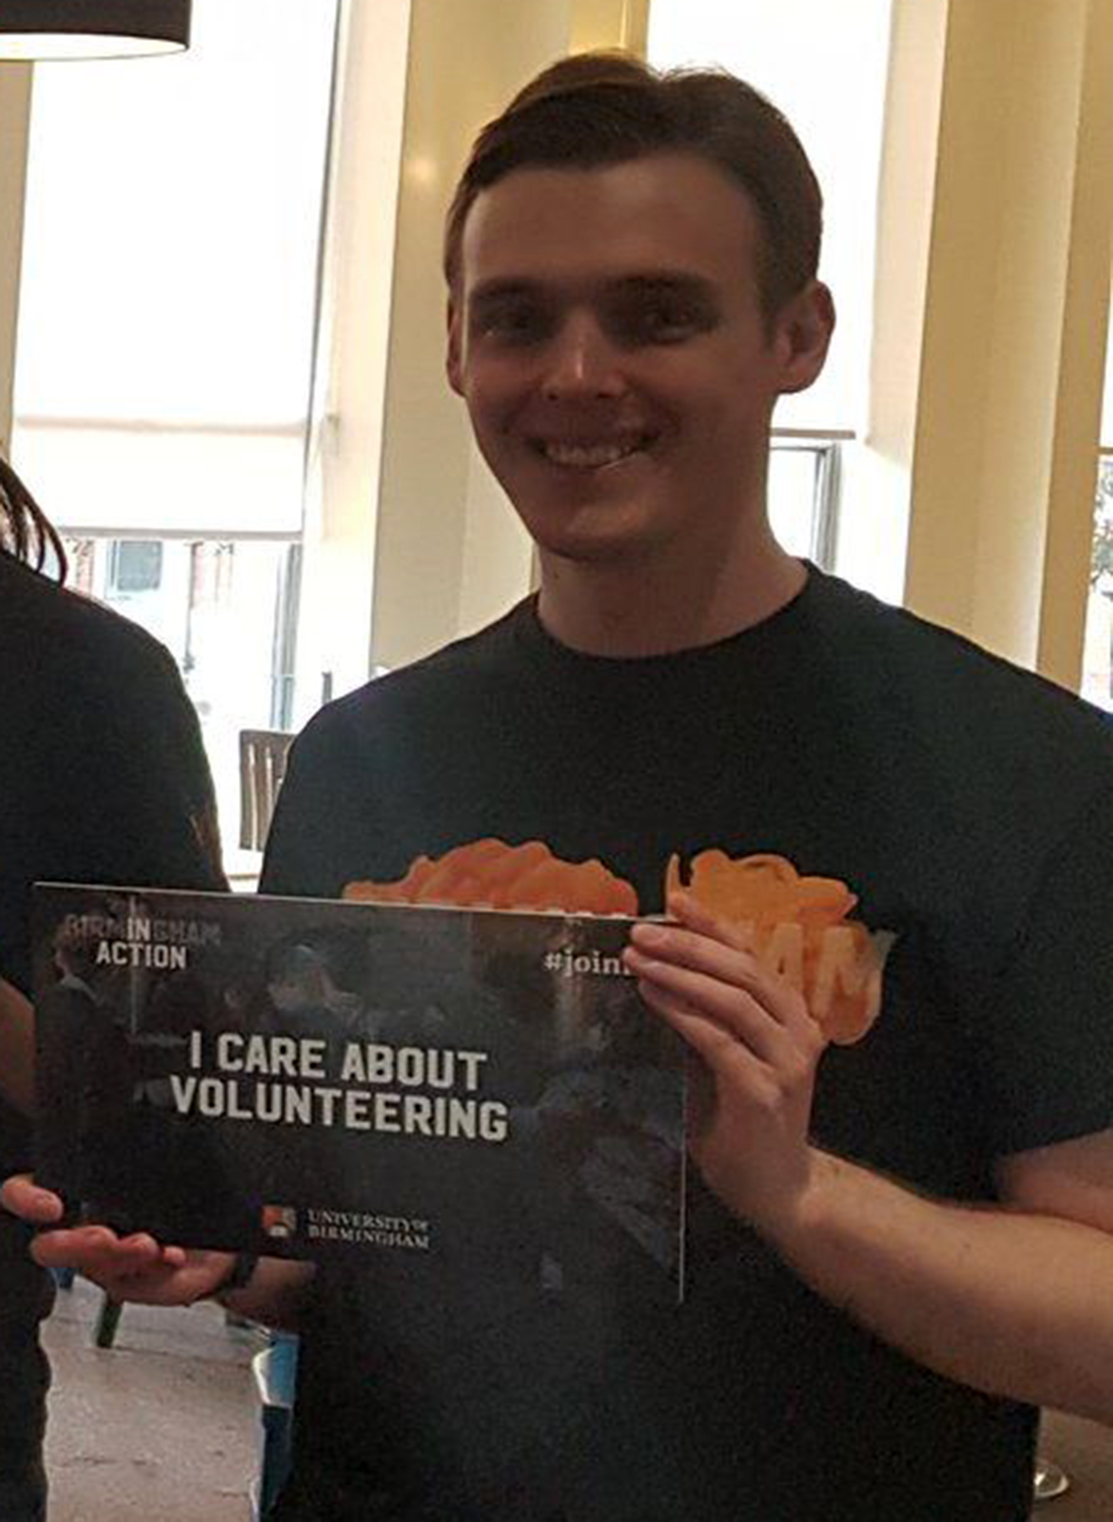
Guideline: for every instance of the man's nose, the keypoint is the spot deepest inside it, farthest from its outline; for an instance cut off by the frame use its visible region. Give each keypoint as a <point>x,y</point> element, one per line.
<point>581,361</point>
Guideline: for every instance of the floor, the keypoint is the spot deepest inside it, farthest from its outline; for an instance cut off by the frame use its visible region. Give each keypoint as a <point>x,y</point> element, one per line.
<point>164,1424</point>
<point>1085,1451</point>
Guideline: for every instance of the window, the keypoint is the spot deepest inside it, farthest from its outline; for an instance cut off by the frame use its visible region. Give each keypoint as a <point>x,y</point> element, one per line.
<point>804,498</point>
<point>225,610</point>
<point>168,318</point>
<point>135,566</point>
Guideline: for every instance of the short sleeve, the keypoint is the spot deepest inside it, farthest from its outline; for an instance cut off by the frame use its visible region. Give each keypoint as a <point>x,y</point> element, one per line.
<point>1044,1042</point>
<point>321,815</point>
<point>180,758</point>
<point>151,814</point>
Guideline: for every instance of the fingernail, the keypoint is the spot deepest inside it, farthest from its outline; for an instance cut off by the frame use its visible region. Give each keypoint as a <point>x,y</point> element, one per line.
<point>648,935</point>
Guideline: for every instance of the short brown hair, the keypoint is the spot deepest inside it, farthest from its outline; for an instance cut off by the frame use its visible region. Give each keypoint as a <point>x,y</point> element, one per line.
<point>595,109</point>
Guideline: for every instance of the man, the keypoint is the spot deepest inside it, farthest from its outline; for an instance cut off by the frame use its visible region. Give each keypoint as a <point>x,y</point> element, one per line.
<point>102,778</point>
<point>893,1246</point>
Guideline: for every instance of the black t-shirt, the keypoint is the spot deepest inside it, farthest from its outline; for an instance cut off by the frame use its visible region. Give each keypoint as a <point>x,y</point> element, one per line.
<point>103,779</point>
<point>970,807</point>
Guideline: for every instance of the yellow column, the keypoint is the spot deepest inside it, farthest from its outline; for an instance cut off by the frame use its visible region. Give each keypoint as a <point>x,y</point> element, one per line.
<point>15,110</point>
<point>1014,328</point>
<point>609,24</point>
<point>1077,424</point>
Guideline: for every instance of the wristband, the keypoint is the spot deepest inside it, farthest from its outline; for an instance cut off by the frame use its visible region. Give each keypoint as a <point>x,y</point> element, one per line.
<point>242,1270</point>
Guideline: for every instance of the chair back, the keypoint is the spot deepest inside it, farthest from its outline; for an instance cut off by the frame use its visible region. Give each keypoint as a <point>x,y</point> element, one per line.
<point>262,768</point>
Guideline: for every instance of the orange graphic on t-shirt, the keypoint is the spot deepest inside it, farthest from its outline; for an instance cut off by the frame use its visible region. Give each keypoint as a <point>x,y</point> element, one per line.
<point>798,927</point>
<point>489,874</point>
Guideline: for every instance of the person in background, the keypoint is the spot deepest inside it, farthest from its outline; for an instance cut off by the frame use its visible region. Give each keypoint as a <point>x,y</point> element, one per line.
<point>103,779</point>
<point>896,1249</point>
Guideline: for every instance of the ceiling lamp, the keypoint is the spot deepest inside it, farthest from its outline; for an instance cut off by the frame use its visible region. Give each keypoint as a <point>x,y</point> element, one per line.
<point>47,29</point>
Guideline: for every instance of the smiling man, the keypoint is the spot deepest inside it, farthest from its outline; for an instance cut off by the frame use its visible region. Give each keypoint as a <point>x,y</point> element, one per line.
<point>618,384</point>
<point>896,1248</point>
<point>620,336</point>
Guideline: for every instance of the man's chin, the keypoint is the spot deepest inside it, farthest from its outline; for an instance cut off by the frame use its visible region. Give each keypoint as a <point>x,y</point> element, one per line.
<point>602,536</point>
<point>590,549</point>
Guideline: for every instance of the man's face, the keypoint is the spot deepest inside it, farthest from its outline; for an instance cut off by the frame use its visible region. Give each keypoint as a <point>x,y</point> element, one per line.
<point>607,335</point>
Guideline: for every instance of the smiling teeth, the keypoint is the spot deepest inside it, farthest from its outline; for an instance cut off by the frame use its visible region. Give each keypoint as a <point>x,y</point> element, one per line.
<point>588,456</point>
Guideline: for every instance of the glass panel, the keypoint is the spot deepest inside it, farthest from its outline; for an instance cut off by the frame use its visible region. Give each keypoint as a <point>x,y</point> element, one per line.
<point>169,276</point>
<point>136,566</point>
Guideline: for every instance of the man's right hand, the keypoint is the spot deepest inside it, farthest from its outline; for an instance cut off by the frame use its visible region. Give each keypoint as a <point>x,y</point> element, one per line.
<point>133,1268</point>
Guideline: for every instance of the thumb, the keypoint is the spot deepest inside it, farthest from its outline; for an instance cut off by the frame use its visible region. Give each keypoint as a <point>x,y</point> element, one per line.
<point>22,1197</point>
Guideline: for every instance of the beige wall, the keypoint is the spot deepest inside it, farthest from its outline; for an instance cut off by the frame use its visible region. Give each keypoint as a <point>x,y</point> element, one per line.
<point>877,475</point>
<point>1006,404</point>
<point>15,106</point>
<point>1083,335</point>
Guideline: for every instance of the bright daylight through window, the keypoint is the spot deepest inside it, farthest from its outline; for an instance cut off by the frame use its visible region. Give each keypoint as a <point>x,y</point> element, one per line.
<point>166,343</point>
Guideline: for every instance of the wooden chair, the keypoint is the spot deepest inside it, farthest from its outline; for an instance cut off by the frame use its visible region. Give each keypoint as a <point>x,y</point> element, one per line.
<point>262,768</point>
<point>108,1317</point>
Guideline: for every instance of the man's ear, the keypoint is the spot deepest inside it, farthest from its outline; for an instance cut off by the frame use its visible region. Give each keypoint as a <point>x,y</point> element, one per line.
<point>803,335</point>
<point>453,361</point>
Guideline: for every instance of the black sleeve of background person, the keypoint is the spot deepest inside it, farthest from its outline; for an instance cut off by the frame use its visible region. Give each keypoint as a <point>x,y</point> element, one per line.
<point>155,823</point>
<point>105,773</point>
<point>322,826</point>
<point>1044,1041</point>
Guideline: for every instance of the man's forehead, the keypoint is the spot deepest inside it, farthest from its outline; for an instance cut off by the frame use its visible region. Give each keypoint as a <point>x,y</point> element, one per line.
<point>658,216</point>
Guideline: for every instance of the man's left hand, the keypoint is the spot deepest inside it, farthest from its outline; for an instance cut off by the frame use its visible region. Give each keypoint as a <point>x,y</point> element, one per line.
<point>758,1050</point>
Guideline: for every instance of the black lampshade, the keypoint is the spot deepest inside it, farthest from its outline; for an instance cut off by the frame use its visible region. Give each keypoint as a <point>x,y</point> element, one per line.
<point>92,28</point>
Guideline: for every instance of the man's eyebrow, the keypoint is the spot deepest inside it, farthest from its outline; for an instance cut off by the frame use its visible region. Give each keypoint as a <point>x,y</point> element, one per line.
<point>649,282</point>
<point>494,290</point>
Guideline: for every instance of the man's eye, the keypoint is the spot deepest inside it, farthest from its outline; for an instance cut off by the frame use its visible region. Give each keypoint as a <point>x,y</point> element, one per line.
<point>511,324</point>
<point>656,322</point>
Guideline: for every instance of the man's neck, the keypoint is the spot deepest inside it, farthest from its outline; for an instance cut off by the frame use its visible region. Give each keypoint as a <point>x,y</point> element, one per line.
<point>656,607</point>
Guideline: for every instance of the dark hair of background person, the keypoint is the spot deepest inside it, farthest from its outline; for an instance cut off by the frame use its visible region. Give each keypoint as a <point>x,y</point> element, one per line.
<point>26,534</point>
<point>596,109</point>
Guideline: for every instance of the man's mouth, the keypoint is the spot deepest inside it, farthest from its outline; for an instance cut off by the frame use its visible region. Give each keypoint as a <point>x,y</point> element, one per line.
<point>594,454</point>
